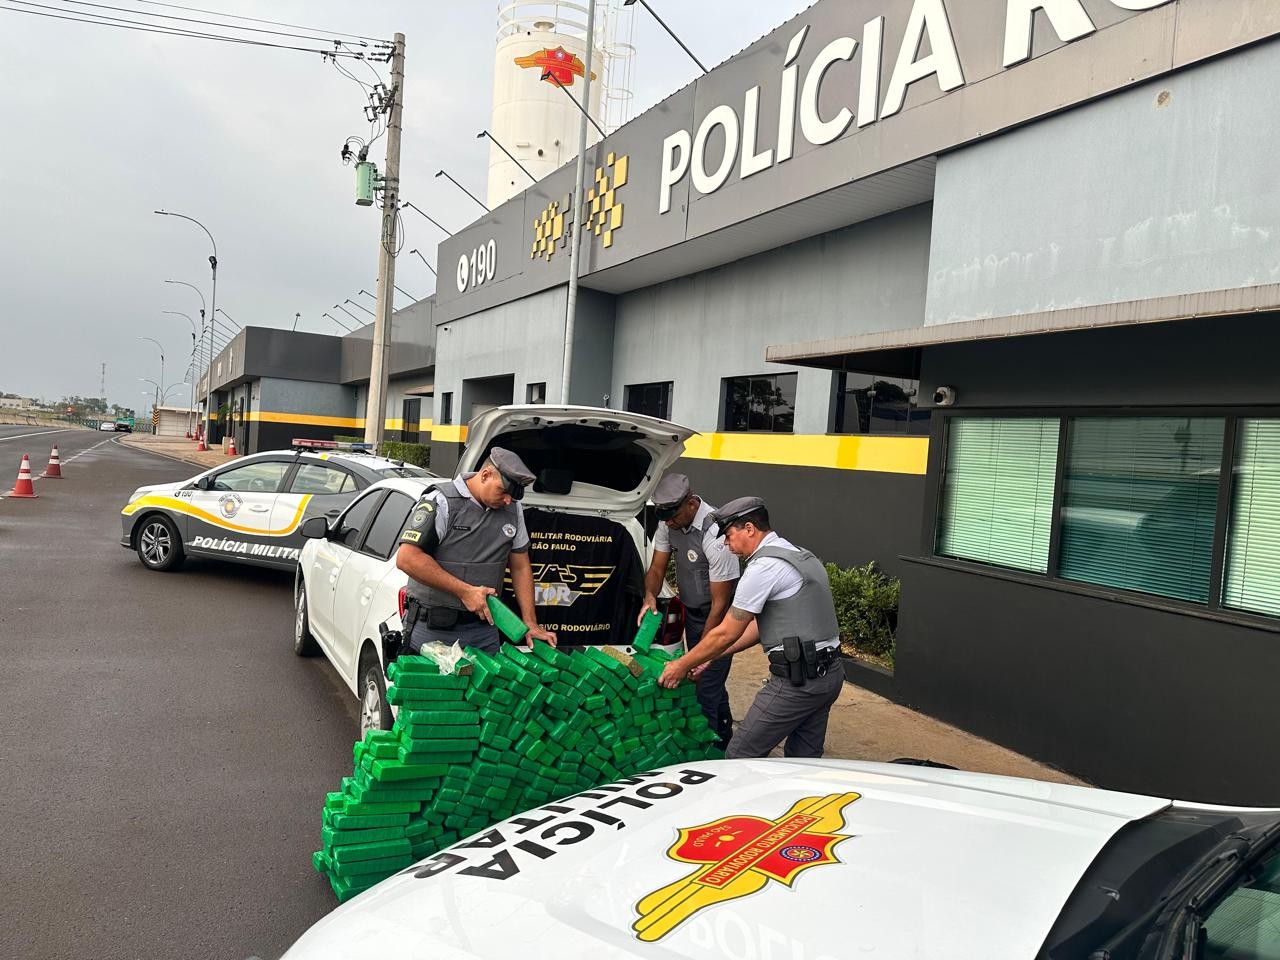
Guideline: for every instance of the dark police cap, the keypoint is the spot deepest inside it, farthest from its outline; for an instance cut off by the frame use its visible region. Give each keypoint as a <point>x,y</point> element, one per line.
<point>671,493</point>
<point>515,474</point>
<point>736,510</point>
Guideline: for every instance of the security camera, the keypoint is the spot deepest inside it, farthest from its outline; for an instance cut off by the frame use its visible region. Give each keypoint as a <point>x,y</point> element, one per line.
<point>944,396</point>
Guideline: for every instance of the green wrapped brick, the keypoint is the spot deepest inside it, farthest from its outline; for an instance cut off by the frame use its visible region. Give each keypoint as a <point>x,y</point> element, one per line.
<point>393,770</point>
<point>511,626</point>
<point>338,838</point>
<point>341,821</point>
<point>370,851</point>
<point>383,868</point>
<point>648,631</point>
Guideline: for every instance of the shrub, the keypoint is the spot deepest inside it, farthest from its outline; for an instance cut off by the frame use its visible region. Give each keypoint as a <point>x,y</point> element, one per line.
<point>866,608</point>
<point>417,454</point>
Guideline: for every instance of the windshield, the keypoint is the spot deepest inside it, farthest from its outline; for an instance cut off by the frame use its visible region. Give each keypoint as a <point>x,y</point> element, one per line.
<point>403,471</point>
<point>1117,901</point>
<point>1246,922</point>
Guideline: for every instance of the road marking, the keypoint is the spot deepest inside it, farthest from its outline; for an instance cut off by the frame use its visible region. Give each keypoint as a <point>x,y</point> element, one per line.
<point>83,452</point>
<point>23,436</point>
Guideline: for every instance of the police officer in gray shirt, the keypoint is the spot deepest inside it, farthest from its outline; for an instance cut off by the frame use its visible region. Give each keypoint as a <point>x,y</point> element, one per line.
<point>706,573</point>
<point>784,593</point>
<point>460,539</point>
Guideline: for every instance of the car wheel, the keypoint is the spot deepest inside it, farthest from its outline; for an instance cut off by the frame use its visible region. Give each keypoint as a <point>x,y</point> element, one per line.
<point>375,712</point>
<point>304,643</point>
<point>159,546</point>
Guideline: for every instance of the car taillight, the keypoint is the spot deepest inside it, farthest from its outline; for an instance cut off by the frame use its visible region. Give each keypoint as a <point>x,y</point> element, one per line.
<point>400,601</point>
<point>672,631</point>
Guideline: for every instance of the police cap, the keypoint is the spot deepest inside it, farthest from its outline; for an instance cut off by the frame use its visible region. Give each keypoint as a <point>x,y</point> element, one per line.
<point>515,475</point>
<point>672,492</point>
<point>736,510</point>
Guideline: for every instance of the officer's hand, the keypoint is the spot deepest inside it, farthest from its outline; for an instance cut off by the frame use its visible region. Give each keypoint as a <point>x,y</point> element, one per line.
<point>699,670</point>
<point>475,601</point>
<point>650,603</point>
<point>673,674</point>
<point>538,633</point>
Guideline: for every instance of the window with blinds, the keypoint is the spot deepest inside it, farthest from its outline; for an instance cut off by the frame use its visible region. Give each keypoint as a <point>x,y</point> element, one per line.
<point>1139,503</point>
<point>997,493</point>
<point>1251,579</point>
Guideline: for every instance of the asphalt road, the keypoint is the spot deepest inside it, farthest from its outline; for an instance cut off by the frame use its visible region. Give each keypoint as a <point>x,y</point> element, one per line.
<point>165,754</point>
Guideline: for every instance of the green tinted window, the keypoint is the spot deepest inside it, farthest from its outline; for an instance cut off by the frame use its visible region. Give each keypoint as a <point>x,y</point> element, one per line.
<point>997,491</point>
<point>1139,503</point>
<point>1252,577</point>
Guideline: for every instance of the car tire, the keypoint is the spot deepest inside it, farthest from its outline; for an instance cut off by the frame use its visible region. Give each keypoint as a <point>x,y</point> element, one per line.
<point>375,711</point>
<point>304,642</point>
<point>158,545</point>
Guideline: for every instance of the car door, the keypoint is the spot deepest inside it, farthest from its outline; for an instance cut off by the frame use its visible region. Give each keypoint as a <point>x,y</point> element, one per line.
<point>328,559</point>
<point>311,490</point>
<point>359,578</point>
<point>232,515</point>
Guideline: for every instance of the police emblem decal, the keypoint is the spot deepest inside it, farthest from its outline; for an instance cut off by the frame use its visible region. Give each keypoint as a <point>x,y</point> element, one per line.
<point>508,530</point>
<point>229,504</point>
<point>693,556</point>
<point>741,854</point>
<point>419,517</point>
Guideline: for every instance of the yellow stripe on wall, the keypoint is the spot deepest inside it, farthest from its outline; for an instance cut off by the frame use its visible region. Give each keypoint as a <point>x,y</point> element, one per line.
<point>304,419</point>
<point>872,453</point>
<point>449,433</point>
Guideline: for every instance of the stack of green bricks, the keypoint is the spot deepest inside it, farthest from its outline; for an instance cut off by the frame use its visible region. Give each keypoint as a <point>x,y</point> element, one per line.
<point>505,733</point>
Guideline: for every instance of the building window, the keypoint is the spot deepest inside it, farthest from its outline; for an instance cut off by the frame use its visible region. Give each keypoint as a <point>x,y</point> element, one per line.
<point>535,393</point>
<point>1251,579</point>
<point>410,415</point>
<point>446,408</point>
<point>997,491</point>
<point>866,404</point>
<point>764,403</point>
<point>1140,503</point>
<point>651,399</point>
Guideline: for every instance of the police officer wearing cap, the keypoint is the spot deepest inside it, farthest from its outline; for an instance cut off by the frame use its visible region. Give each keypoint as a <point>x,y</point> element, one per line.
<point>784,591</point>
<point>460,539</point>
<point>706,573</point>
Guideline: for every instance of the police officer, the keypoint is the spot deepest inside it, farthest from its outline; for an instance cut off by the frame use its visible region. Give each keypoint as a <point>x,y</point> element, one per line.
<point>784,591</point>
<point>706,573</point>
<point>459,541</point>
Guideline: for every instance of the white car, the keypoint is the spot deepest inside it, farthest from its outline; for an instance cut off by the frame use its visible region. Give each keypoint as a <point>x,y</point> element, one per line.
<point>595,472</point>
<point>824,859</point>
<point>249,510</point>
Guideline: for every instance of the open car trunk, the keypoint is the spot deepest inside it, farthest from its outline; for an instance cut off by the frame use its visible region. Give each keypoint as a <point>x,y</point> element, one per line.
<point>594,472</point>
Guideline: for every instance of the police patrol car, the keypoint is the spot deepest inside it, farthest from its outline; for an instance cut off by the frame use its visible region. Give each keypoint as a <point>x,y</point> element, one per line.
<point>250,510</point>
<point>825,859</point>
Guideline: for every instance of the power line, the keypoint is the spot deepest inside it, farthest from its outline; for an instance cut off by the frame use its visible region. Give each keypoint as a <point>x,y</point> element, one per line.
<point>165,31</point>
<point>207,23</point>
<point>274,23</point>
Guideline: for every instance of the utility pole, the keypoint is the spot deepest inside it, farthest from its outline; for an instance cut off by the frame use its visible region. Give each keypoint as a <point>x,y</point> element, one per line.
<point>375,411</point>
<point>102,385</point>
<point>571,299</point>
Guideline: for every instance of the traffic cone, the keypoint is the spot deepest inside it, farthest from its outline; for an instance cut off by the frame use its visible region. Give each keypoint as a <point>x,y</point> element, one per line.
<point>231,448</point>
<point>200,446</point>
<point>54,470</point>
<point>24,487</point>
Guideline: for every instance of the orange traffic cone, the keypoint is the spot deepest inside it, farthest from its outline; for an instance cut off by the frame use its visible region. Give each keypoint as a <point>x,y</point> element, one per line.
<point>24,487</point>
<point>54,470</point>
<point>231,448</point>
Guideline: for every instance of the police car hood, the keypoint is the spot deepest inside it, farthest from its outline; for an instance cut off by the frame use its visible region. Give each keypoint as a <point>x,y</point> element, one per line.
<point>158,488</point>
<point>584,458</point>
<point>750,858</point>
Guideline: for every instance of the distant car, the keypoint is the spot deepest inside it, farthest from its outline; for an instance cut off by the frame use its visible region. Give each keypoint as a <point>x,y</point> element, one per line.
<point>250,509</point>
<point>125,424</point>
<point>797,859</point>
<point>107,426</point>
<point>595,470</point>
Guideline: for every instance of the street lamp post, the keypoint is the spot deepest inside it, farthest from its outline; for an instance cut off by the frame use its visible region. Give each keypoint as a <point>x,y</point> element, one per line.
<point>161,348</point>
<point>424,261</point>
<point>204,322</point>
<point>213,263</point>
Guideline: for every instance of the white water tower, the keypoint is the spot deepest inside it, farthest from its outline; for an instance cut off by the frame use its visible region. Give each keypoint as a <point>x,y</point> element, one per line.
<point>538,44</point>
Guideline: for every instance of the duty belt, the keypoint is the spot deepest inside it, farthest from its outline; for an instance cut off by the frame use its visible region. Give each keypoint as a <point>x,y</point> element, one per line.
<point>800,660</point>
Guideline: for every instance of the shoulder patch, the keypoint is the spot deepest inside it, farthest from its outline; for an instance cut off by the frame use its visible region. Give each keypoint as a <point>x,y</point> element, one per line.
<point>410,536</point>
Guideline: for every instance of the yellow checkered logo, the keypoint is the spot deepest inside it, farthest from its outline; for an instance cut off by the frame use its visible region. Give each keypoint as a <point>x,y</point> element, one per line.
<point>604,211</point>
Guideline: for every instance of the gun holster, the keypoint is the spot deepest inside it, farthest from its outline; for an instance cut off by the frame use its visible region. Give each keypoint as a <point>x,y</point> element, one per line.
<point>396,642</point>
<point>796,660</point>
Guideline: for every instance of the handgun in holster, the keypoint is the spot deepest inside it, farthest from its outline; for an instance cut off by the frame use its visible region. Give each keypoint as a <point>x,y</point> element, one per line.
<point>796,660</point>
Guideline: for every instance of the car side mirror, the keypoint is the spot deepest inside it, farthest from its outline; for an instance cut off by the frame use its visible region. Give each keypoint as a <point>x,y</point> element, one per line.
<point>203,483</point>
<point>317,528</point>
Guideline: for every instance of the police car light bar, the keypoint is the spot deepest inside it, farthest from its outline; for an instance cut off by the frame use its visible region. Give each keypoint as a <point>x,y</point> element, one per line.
<point>314,445</point>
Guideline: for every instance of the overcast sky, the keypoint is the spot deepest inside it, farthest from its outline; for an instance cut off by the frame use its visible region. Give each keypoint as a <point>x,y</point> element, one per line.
<point>102,126</point>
